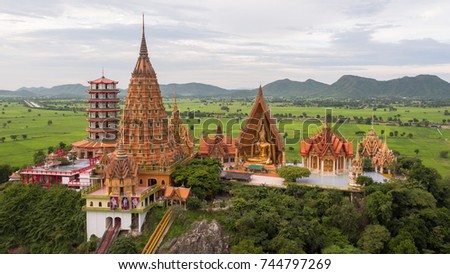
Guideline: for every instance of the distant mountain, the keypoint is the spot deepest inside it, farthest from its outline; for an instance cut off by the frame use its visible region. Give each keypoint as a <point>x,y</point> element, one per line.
<point>17,93</point>
<point>348,86</point>
<point>421,86</point>
<point>289,88</point>
<point>192,90</point>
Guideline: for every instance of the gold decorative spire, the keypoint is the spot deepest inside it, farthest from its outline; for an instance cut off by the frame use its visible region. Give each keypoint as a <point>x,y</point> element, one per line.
<point>219,125</point>
<point>121,153</point>
<point>143,50</point>
<point>143,66</point>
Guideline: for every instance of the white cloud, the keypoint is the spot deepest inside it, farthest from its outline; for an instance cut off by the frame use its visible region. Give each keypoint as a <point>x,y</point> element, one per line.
<point>233,44</point>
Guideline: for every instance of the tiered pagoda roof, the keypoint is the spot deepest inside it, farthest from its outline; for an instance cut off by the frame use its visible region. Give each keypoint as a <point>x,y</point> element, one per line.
<point>371,144</point>
<point>103,80</point>
<point>121,172</point>
<point>384,158</point>
<point>325,141</point>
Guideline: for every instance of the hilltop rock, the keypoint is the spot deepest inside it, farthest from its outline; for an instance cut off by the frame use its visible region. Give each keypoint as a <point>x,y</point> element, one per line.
<point>205,238</point>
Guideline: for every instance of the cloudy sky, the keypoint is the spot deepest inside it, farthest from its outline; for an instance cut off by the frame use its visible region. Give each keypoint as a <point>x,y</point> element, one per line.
<point>232,44</point>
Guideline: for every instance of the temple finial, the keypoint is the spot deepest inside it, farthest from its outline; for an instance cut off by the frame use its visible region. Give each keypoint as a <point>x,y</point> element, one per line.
<point>260,92</point>
<point>121,153</point>
<point>143,50</point>
<point>219,126</point>
<point>174,95</point>
<point>103,72</point>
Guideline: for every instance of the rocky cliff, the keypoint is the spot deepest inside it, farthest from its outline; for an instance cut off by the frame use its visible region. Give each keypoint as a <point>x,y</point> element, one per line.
<point>205,238</point>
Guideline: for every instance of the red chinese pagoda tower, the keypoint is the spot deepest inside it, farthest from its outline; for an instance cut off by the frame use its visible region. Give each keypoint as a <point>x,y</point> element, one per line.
<point>103,119</point>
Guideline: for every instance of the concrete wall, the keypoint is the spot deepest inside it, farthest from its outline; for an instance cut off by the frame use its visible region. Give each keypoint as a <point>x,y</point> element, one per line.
<point>96,221</point>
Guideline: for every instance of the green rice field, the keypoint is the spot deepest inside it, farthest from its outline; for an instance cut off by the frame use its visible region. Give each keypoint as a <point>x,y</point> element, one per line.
<point>67,126</point>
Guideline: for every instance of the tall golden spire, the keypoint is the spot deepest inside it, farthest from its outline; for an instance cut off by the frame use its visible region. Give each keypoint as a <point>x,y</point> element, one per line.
<point>143,66</point>
<point>143,50</point>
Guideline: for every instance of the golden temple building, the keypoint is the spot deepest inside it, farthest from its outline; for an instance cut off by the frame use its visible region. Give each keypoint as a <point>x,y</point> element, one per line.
<point>384,159</point>
<point>326,153</point>
<point>259,141</point>
<point>374,148</point>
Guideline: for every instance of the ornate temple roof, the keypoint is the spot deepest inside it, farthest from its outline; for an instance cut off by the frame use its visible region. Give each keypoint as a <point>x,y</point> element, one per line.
<point>324,141</point>
<point>122,166</point>
<point>103,80</point>
<point>177,192</point>
<point>371,144</point>
<point>217,144</point>
<point>260,110</point>
<point>93,144</point>
<point>224,145</point>
<point>384,157</point>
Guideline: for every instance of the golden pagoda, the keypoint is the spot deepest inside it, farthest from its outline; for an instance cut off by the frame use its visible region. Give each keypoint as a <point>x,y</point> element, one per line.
<point>145,126</point>
<point>259,141</point>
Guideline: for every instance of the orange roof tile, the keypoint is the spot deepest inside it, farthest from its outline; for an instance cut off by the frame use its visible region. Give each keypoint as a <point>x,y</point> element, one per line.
<point>324,141</point>
<point>177,192</point>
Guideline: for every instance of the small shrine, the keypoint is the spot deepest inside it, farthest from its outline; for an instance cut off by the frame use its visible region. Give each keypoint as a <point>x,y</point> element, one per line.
<point>176,195</point>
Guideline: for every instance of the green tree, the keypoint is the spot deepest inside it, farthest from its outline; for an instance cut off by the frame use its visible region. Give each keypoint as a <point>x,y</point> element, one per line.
<point>2,139</point>
<point>194,203</point>
<point>13,137</point>
<point>123,245</point>
<point>403,243</point>
<point>374,239</point>
<point>39,157</point>
<point>202,175</point>
<point>5,171</point>
<point>378,207</point>
<point>443,154</point>
<point>62,145</point>
<point>49,122</point>
<point>291,173</point>
<point>416,151</point>
<point>246,247</point>
<point>41,220</point>
<point>24,136</point>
